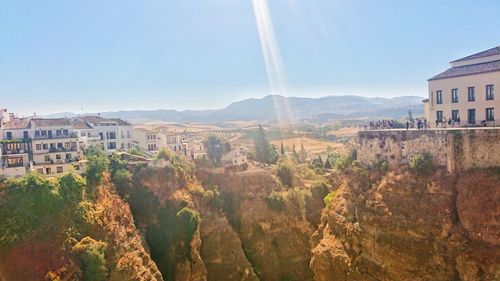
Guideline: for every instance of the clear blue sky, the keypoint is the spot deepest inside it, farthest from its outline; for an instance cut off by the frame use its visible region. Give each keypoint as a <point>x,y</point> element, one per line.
<point>110,55</point>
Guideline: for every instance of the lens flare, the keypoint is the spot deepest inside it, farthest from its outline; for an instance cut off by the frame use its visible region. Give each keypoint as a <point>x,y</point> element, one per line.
<point>273,62</point>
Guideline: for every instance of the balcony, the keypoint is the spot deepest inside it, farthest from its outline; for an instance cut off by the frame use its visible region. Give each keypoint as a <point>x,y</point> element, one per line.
<point>62,149</point>
<point>52,137</point>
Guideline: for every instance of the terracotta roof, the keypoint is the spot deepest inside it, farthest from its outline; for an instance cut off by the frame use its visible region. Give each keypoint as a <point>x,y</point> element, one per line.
<point>80,124</point>
<point>17,124</point>
<point>468,70</point>
<point>52,122</point>
<point>120,122</point>
<point>487,53</point>
<point>93,119</point>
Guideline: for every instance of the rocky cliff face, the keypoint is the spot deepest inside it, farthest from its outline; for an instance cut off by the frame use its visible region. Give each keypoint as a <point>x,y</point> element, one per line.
<point>375,226</point>
<point>406,228</point>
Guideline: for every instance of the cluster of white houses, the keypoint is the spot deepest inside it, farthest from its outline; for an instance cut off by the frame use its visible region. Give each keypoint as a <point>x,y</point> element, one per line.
<point>53,146</point>
<point>465,93</point>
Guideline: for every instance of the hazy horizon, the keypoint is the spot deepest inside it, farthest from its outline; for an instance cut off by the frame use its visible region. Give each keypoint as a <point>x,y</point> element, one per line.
<point>191,109</point>
<point>125,55</point>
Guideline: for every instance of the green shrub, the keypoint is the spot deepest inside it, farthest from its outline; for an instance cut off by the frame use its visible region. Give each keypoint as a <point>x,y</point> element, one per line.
<point>285,172</point>
<point>329,198</point>
<point>123,182</point>
<point>97,164</point>
<point>297,198</point>
<point>421,164</point>
<point>276,200</point>
<point>136,152</point>
<point>319,189</point>
<point>92,254</point>
<point>382,166</point>
<point>189,219</point>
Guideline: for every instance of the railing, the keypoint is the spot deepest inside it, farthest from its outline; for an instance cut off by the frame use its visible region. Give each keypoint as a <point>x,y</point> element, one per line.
<point>72,135</point>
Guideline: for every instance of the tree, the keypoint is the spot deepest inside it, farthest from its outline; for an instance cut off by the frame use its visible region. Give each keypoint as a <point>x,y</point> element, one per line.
<point>263,149</point>
<point>295,154</point>
<point>215,148</point>
<point>286,170</point>
<point>303,154</point>
<point>328,164</point>
<point>98,163</point>
<point>282,149</point>
<point>92,254</point>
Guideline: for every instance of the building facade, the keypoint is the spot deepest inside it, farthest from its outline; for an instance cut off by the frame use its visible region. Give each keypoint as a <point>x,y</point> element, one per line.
<point>464,95</point>
<point>146,140</point>
<point>55,146</point>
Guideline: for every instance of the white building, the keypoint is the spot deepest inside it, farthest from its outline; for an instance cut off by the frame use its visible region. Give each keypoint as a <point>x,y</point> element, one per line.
<point>236,157</point>
<point>146,140</point>
<point>111,134</point>
<point>54,147</point>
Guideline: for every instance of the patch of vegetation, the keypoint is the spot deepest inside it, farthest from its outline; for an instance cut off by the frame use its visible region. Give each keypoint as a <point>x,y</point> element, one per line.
<point>216,147</point>
<point>136,152</point>
<point>329,198</point>
<point>92,255</point>
<point>38,205</point>
<point>253,261</point>
<point>169,239</point>
<point>319,189</point>
<point>265,152</point>
<point>285,172</point>
<point>276,200</point>
<point>213,195</point>
<point>97,164</point>
<point>421,164</point>
<point>381,166</point>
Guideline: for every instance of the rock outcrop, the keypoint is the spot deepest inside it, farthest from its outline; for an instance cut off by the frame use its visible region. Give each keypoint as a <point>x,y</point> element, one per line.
<point>406,228</point>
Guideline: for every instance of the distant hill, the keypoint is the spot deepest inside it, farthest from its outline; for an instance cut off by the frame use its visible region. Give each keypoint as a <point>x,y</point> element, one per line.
<point>264,109</point>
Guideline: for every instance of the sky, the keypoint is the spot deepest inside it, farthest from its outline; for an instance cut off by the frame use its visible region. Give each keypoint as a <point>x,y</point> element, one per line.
<point>96,56</point>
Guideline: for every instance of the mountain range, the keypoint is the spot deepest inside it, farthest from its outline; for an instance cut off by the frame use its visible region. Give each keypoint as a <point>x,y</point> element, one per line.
<point>291,108</point>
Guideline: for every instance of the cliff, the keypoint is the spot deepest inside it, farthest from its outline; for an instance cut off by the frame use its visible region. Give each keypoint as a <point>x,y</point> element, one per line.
<point>58,214</point>
<point>401,227</point>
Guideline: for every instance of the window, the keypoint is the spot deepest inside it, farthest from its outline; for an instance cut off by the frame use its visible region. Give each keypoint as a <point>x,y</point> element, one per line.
<point>67,144</point>
<point>112,145</point>
<point>471,116</point>
<point>47,158</point>
<point>58,156</point>
<point>439,116</point>
<point>58,133</point>
<point>45,146</point>
<point>9,135</point>
<point>37,134</point>
<point>68,156</point>
<point>65,132</point>
<point>454,115</point>
<point>111,135</point>
<point>40,170</point>
<point>59,170</point>
<point>43,133</point>
<point>489,92</point>
<point>490,114</point>
<point>439,97</point>
<point>454,95</point>
<point>471,94</point>
<point>77,167</point>
<point>48,171</point>
<point>15,162</point>
<point>38,147</point>
<point>59,145</point>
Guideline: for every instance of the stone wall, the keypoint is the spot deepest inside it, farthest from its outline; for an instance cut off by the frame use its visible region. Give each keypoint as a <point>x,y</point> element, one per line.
<point>454,149</point>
